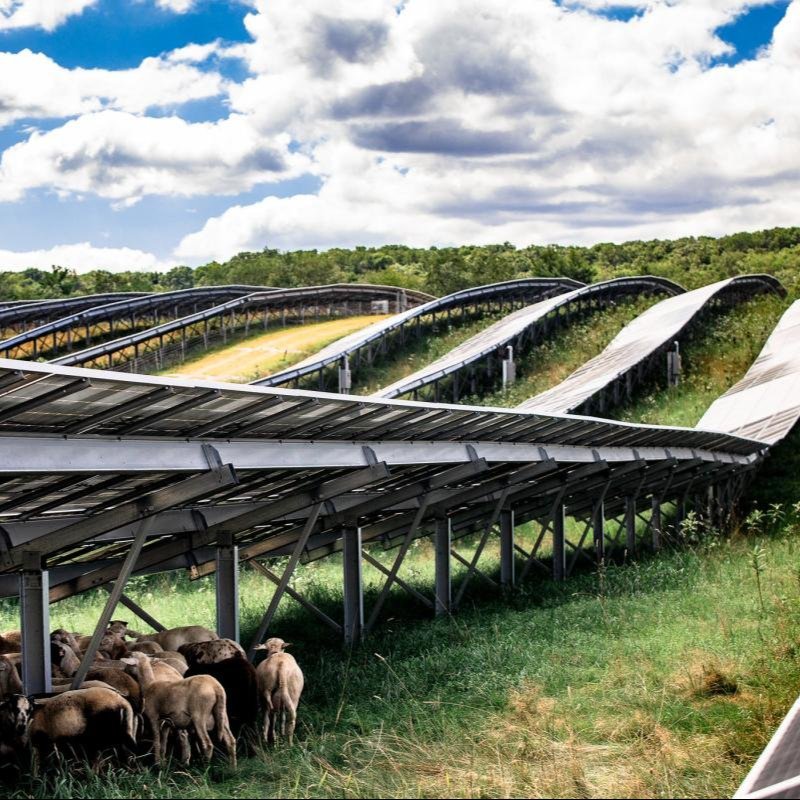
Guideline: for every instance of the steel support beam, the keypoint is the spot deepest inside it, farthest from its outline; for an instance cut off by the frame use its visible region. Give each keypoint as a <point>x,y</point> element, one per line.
<point>288,571</point>
<point>227,587</point>
<point>443,582</point>
<point>559,549</point>
<point>655,523</point>
<point>507,552</point>
<point>630,525</point>
<point>111,604</point>
<point>35,625</point>
<point>353,586</point>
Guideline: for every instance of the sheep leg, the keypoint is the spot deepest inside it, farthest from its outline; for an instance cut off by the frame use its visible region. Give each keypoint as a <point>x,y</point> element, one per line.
<point>157,740</point>
<point>184,746</point>
<point>292,715</point>
<point>206,745</point>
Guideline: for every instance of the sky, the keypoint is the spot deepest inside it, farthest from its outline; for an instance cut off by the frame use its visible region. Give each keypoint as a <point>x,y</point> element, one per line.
<point>141,134</point>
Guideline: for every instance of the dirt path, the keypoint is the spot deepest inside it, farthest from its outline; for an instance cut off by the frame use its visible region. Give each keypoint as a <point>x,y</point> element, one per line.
<point>269,352</point>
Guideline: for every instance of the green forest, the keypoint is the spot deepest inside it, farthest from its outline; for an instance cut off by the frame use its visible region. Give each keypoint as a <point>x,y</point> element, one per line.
<point>690,261</point>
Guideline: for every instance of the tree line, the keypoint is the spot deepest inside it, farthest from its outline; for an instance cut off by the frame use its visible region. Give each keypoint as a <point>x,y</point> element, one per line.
<point>690,261</point>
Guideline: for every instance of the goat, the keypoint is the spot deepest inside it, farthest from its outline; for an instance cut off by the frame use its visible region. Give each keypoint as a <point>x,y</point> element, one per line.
<point>197,702</point>
<point>89,719</point>
<point>238,677</point>
<point>210,652</point>
<point>173,638</point>
<point>280,684</point>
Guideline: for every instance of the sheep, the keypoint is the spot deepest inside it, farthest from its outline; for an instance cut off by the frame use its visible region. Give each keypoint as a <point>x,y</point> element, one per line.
<point>63,636</point>
<point>211,652</point>
<point>15,715</point>
<point>122,682</point>
<point>148,648</point>
<point>10,682</point>
<point>173,638</point>
<point>10,642</point>
<point>198,702</point>
<point>280,684</point>
<point>63,660</point>
<point>238,677</point>
<point>161,670</point>
<point>91,719</point>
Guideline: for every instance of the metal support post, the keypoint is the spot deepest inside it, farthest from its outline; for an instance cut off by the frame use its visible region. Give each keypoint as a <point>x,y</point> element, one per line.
<point>599,531</point>
<point>353,586</point>
<point>630,525</point>
<point>108,611</point>
<point>559,551</point>
<point>507,572</point>
<point>227,587</point>
<point>655,523</point>
<point>345,377</point>
<point>300,546</point>
<point>443,589</point>
<point>35,624</point>
<point>509,368</point>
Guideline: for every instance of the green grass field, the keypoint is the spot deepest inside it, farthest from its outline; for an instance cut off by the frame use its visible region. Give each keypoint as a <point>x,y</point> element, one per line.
<point>663,677</point>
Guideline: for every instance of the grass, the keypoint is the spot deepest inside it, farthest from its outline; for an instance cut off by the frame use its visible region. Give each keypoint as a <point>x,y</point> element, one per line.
<point>416,354</point>
<point>261,354</point>
<point>551,361</point>
<point>661,678</point>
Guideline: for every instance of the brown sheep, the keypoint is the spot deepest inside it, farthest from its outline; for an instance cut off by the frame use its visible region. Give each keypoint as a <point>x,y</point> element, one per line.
<point>63,660</point>
<point>10,682</point>
<point>122,682</point>
<point>88,719</point>
<point>10,642</point>
<point>211,652</point>
<point>63,636</point>
<point>148,648</point>
<point>280,684</point>
<point>173,638</point>
<point>198,703</point>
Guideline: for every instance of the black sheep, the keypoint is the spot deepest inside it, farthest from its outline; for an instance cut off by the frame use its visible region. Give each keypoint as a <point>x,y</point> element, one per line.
<point>238,678</point>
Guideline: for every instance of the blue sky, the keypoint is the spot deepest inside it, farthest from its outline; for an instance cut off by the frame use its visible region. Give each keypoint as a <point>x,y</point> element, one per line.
<point>144,133</point>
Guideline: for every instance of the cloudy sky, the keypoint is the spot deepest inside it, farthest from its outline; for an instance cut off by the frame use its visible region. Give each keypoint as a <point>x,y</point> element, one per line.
<point>145,133</point>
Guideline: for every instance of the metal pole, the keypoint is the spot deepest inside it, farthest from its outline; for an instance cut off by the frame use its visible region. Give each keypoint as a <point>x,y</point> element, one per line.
<point>35,624</point>
<point>599,530</point>
<point>111,604</point>
<point>353,586</point>
<point>227,587</point>
<point>507,574</point>
<point>126,601</point>
<point>655,523</point>
<point>443,587</point>
<point>630,525</point>
<point>559,551</point>
<point>288,571</point>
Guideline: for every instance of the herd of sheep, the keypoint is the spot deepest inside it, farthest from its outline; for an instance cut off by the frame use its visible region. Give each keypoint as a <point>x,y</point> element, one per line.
<point>160,693</point>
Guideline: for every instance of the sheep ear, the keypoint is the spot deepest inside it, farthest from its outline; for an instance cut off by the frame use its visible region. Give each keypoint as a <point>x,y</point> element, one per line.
<point>286,644</point>
<point>132,661</point>
<point>260,647</point>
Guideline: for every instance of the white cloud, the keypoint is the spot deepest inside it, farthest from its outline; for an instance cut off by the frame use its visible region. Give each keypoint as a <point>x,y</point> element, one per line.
<point>47,14</point>
<point>82,257</point>
<point>432,123</point>
<point>50,91</point>
<point>123,157</point>
<point>177,6</point>
<point>476,121</point>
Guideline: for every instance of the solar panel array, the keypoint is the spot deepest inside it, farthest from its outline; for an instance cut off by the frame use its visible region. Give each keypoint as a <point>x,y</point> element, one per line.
<point>650,333</point>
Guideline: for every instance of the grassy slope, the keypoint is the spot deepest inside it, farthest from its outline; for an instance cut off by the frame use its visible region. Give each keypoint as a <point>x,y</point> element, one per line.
<point>716,356</point>
<point>597,687</point>
<point>260,354</point>
<point>553,360</point>
<point>417,354</point>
